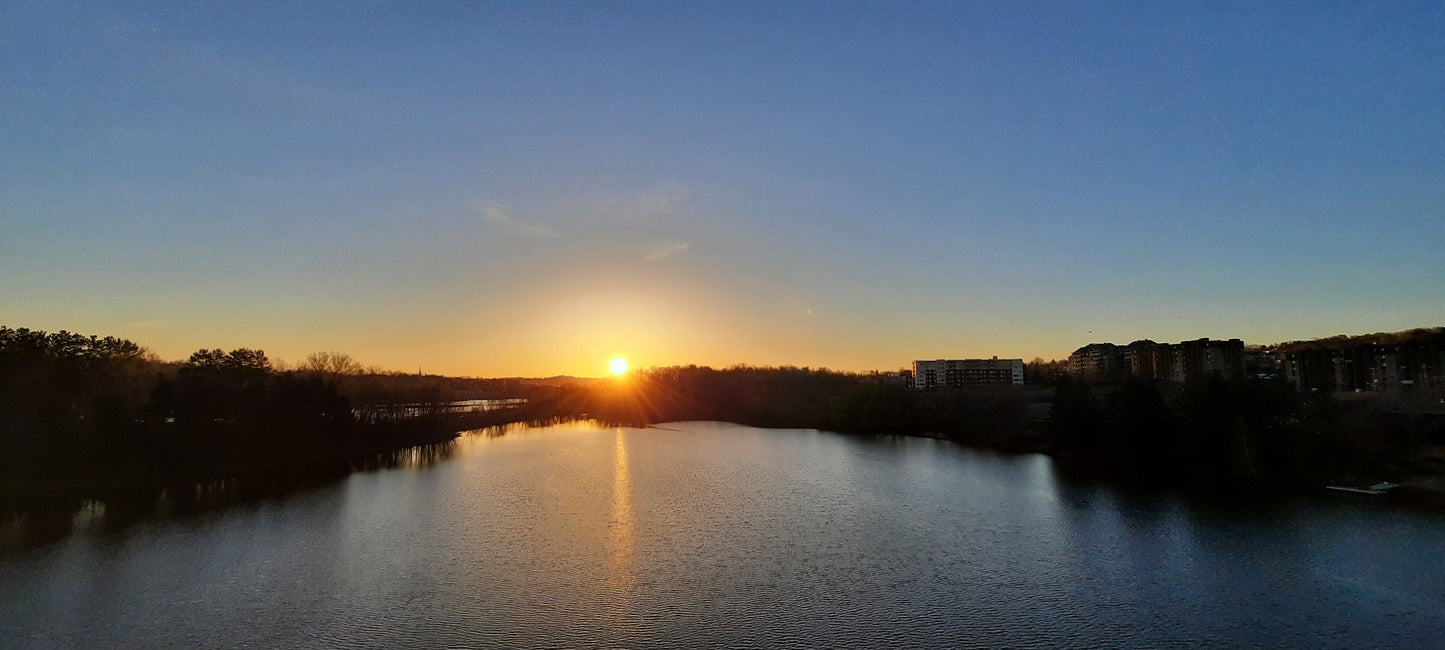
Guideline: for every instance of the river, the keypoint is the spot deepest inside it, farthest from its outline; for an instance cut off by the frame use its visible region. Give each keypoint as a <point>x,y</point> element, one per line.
<point>704,534</point>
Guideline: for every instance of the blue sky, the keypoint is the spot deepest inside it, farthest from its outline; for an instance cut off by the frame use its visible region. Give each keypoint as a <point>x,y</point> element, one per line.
<point>533,188</point>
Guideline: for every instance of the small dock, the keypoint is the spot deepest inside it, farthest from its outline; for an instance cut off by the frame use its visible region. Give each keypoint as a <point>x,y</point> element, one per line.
<point>1378,488</point>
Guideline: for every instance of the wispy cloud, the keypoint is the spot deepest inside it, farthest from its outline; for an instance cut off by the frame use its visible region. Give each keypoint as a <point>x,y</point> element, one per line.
<point>496,216</point>
<point>659,202</point>
<point>666,250</point>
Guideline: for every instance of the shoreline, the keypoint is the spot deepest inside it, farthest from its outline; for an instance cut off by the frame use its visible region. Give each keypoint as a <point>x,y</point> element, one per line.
<point>309,465</point>
<point>53,508</point>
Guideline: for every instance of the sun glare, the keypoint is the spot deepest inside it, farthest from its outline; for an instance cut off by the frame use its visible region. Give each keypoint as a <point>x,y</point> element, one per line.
<point>619,366</point>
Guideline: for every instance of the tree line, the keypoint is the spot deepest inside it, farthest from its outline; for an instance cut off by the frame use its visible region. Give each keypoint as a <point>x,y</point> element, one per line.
<point>793,397</point>
<point>1215,429</point>
<point>81,412</point>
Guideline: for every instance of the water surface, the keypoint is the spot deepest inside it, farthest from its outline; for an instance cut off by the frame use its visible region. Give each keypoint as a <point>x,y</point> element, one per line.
<point>708,534</point>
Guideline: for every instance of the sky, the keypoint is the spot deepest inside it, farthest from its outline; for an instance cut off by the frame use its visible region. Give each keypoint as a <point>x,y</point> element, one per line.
<point>532,189</point>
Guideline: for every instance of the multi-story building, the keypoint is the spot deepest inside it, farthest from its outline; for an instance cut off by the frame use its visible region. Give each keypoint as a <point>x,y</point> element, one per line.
<point>1205,357</point>
<point>1178,362</point>
<point>1097,362</point>
<point>1310,368</point>
<point>967,373</point>
<point>1411,362</point>
<point>1141,359</point>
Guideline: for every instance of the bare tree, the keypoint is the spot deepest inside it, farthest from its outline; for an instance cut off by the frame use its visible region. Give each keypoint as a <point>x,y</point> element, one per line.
<point>330,363</point>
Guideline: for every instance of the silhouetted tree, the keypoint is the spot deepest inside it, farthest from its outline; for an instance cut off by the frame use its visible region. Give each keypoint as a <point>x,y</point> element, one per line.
<point>204,358</point>
<point>1138,430</point>
<point>1077,418</point>
<point>330,364</point>
<point>1040,372</point>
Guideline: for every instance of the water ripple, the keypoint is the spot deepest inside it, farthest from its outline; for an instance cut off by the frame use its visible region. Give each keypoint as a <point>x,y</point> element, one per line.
<point>718,536</point>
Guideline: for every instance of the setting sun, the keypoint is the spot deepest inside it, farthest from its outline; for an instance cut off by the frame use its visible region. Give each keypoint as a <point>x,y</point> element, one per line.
<point>619,366</point>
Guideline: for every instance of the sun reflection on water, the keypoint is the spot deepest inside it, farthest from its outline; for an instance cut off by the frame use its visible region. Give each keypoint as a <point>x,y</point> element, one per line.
<point>622,534</point>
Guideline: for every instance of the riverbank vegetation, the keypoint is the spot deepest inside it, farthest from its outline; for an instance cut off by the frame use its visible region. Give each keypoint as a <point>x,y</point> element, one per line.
<point>84,414</point>
<point>792,397</point>
<point>1212,432</point>
<point>1217,431</point>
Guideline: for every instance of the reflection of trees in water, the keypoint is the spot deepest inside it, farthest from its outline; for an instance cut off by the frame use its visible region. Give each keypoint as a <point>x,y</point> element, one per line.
<point>96,433</point>
<point>41,521</point>
<point>409,458</point>
<point>500,430</point>
<point>44,521</point>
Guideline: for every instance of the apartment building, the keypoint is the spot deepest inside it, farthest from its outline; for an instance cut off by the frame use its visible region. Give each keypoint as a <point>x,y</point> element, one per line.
<point>967,373</point>
<point>1400,362</point>
<point>1177,362</point>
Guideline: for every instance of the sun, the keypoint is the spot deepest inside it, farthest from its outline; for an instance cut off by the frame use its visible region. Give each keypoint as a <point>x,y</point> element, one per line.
<point>619,366</point>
